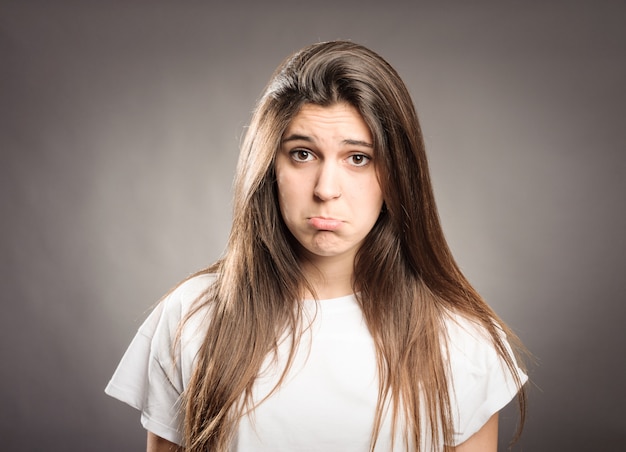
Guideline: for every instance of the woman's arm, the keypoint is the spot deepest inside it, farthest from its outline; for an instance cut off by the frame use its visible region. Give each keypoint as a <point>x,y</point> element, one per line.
<point>157,444</point>
<point>484,440</point>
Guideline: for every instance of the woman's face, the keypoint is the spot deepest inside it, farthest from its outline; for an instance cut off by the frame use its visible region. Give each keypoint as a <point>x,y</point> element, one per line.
<point>328,190</point>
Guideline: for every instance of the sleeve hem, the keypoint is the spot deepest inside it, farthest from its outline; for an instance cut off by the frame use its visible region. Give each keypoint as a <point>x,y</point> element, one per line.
<point>123,395</point>
<point>491,406</point>
<point>164,431</point>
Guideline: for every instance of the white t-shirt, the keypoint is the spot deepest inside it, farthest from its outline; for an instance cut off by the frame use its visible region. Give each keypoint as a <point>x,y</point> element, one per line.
<point>329,398</point>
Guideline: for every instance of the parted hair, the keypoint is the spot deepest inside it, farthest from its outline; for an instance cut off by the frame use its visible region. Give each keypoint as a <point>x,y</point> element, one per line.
<point>405,278</point>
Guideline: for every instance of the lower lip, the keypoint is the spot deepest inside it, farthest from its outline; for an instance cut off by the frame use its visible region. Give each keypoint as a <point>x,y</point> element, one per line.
<point>325,224</point>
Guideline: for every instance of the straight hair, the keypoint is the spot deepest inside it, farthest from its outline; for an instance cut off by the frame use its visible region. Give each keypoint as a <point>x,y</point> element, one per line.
<point>405,278</point>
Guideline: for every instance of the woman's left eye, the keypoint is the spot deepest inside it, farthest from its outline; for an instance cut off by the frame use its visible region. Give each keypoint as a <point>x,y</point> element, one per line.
<point>359,159</point>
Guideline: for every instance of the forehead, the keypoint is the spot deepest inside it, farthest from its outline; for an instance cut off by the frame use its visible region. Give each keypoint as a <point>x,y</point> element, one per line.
<point>340,120</point>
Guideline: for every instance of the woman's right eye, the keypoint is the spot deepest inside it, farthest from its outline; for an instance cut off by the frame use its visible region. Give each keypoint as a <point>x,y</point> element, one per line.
<point>301,155</point>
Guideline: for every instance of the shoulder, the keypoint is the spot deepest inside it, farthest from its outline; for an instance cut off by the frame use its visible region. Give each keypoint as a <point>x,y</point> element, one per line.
<point>178,303</point>
<point>178,329</point>
<point>180,300</point>
<point>162,325</point>
<point>469,343</point>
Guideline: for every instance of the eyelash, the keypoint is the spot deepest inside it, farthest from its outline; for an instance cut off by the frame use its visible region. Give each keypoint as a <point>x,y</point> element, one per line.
<point>296,153</point>
<point>366,159</point>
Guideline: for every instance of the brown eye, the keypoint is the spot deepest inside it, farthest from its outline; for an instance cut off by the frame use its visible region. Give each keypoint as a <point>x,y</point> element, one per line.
<point>301,155</point>
<point>359,159</point>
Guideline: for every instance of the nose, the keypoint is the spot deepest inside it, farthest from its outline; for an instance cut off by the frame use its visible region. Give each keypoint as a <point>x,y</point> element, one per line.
<point>327,185</point>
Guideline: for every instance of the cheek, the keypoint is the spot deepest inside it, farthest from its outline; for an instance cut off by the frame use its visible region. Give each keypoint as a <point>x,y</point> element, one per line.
<point>285,194</point>
<point>371,197</point>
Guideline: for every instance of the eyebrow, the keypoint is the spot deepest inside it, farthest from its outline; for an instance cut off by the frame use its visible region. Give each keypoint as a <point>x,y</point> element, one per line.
<point>297,137</point>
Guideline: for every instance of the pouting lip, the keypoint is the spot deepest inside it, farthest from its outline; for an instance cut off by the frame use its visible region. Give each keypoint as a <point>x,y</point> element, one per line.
<point>323,217</point>
<point>323,223</point>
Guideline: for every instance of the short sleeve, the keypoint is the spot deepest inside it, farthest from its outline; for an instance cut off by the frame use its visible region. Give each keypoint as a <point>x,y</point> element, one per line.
<point>152,375</point>
<point>482,384</point>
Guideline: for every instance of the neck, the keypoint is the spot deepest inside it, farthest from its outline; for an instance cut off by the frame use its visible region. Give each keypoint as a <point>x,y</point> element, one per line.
<point>330,278</point>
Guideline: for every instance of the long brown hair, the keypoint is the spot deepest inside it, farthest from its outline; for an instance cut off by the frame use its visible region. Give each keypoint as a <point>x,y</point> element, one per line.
<point>404,274</point>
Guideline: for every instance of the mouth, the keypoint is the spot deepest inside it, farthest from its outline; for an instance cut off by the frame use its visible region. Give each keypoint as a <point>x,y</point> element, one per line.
<point>325,224</point>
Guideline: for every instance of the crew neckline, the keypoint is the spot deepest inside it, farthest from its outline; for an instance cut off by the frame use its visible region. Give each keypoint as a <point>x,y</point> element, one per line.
<point>331,304</point>
<point>324,300</point>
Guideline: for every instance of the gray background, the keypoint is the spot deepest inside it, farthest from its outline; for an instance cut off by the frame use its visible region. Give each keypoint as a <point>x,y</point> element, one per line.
<point>119,129</point>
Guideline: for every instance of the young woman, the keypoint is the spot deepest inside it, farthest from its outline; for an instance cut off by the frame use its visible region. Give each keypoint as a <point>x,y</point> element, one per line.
<point>337,319</point>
